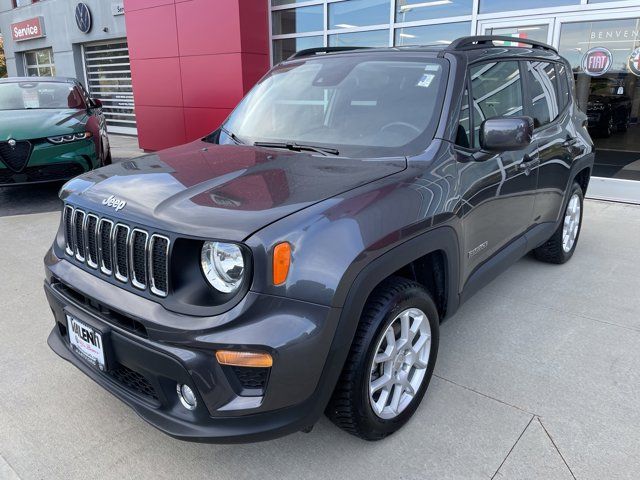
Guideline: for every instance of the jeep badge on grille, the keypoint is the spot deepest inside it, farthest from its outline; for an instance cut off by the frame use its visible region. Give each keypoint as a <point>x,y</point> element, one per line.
<point>113,202</point>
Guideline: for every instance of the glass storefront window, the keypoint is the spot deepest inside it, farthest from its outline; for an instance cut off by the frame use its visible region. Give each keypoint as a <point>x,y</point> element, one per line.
<point>539,33</point>
<point>372,38</point>
<point>283,49</point>
<point>432,34</point>
<point>412,10</point>
<point>605,59</point>
<point>298,20</point>
<point>39,63</point>
<point>495,6</point>
<point>358,13</point>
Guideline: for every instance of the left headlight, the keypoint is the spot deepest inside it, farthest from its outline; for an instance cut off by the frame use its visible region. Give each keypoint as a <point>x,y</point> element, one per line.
<point>222,265</point>
<point>72,137</point>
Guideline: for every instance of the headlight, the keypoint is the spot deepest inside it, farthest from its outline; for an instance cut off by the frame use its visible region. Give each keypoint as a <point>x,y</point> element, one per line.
<point>72,137</point>
<point>222,265</point>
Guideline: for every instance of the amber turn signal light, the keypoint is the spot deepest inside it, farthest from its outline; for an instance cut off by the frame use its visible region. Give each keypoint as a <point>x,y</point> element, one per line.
<point>244,359</point>
<point>281,262</point>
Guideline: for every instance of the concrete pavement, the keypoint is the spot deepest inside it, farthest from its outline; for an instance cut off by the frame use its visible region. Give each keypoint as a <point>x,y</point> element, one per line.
<point>538,377</point>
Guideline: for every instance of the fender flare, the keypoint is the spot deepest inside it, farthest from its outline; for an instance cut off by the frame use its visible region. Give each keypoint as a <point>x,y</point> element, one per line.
<point>441,238</point>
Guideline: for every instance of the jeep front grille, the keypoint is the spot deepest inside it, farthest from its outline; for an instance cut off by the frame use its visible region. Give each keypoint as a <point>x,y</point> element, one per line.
<point>130,255</point>
<point>78,227</point>
<point>159,258</point>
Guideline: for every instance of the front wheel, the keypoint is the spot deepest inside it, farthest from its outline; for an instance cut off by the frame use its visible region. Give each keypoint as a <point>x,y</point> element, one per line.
<point>560,247</point>
<point>390,363</point>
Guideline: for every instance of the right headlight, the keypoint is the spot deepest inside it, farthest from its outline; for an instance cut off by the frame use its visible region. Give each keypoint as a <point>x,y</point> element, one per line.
<point>71,137</point>
<point>222,265</point>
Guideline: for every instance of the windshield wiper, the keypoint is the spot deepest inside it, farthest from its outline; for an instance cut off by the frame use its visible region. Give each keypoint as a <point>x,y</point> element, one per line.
<point>232,135</point>
<point>298,147</point>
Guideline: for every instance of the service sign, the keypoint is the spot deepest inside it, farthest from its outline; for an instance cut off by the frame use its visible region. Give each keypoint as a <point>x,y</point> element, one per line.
<point>117,8</point>
<point>27,29</point>
<point>597,61</point>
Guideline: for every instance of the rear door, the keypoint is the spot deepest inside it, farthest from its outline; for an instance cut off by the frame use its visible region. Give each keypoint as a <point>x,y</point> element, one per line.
<point>498,193</point>
<point>556,141</point>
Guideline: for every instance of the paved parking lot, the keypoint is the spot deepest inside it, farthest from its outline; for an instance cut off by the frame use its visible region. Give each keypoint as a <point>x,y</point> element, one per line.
<point>538,378</point>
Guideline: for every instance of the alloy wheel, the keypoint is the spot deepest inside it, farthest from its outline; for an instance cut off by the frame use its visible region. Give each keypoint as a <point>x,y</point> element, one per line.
<point>399,366</point>
<point>571,223</point>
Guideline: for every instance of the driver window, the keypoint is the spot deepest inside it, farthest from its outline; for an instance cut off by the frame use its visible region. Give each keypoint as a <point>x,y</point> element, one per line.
<point>496,89</point>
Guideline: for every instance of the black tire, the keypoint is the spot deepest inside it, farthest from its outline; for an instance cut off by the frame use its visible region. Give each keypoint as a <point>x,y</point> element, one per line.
<point>349,407</point>
<point>107,158</point>
<point>552,250</point>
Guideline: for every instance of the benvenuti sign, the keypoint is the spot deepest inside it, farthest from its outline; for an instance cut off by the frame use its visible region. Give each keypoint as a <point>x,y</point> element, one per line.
<point>27,29</point>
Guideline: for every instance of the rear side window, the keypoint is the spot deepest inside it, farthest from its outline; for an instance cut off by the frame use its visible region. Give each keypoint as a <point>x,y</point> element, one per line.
<point>496,90</point>
<point>563,84</point>
<point>542,90</point>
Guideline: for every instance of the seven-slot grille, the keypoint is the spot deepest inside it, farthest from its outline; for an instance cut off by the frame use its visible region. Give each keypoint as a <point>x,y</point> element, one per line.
<point>130,255</point>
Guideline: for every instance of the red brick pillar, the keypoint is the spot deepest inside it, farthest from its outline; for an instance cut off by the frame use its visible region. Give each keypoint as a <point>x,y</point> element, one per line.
<point>191,62</point>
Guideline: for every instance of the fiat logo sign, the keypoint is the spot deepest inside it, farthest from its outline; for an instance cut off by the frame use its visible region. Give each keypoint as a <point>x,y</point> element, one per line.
<point>12,142</point>
<point>597,61</point>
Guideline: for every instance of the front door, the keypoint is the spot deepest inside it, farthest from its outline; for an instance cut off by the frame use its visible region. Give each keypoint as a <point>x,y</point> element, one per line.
<point>498,193</point>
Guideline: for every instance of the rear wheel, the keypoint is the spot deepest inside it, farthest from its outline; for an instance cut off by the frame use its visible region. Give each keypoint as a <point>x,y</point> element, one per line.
<point>560,247</point>
<point>390,363</point>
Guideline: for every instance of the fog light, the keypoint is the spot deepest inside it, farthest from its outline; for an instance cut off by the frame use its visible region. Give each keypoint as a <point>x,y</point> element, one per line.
<point>186,396</point>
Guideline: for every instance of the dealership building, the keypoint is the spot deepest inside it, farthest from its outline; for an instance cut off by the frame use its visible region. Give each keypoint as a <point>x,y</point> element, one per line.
<point>170,71</point>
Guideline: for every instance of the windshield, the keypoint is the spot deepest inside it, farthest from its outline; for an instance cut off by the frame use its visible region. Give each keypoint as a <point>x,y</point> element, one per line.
<point>357,105</point>
<point>39,95</point>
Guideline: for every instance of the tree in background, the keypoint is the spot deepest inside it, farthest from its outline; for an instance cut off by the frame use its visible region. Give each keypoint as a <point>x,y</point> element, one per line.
<point>3,63</point>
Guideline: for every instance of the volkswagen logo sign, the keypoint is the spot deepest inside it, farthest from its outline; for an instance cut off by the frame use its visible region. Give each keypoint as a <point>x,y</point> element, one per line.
<point>83,17</point>
<point>12,142</point>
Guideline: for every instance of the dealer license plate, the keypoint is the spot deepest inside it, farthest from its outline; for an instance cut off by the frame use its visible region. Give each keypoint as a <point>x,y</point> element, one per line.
<point>86,342</point>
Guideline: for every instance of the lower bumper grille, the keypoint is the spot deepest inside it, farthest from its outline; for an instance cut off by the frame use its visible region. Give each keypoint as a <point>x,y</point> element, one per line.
<point>41,173</point>
<point>133,381</point>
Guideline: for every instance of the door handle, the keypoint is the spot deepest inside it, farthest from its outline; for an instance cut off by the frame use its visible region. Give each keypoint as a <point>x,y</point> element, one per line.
<point>528,164</point>
<point>569,142</point>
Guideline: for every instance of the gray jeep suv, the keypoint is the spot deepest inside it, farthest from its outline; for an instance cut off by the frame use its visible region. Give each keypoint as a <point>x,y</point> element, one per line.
<point>300,259</point>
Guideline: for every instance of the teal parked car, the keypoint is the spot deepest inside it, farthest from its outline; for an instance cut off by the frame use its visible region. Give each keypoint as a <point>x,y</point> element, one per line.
<point>50,130</point>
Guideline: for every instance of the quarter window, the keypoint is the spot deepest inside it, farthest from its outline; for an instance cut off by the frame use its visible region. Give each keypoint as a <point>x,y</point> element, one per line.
<point>563,83</point>
<point>496,89</point>
<point>542,90</point>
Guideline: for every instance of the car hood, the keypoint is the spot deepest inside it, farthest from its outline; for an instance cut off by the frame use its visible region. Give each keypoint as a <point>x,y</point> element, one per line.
<point>223,192</point>
<point>30,124</point>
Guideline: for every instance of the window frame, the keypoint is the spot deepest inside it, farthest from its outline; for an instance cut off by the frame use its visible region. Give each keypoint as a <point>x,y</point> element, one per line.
<point>51,65</point>
<point>528,98</point>
<point>472,113</point>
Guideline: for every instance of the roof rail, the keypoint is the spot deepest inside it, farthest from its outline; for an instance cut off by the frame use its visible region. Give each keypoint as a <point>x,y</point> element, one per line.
<point>314,51</point>
<point>487,40</point>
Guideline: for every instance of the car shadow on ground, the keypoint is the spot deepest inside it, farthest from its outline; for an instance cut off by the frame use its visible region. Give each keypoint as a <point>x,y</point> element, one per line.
<point>37,198</point>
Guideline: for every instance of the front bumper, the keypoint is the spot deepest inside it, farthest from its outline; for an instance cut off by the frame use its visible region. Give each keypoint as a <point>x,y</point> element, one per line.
<point>51,163</point>
<point>298,335</point>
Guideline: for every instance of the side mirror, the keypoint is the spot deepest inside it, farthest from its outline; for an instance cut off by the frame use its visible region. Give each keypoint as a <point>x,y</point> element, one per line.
<point>96,103</point>
<point>503,134</point>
